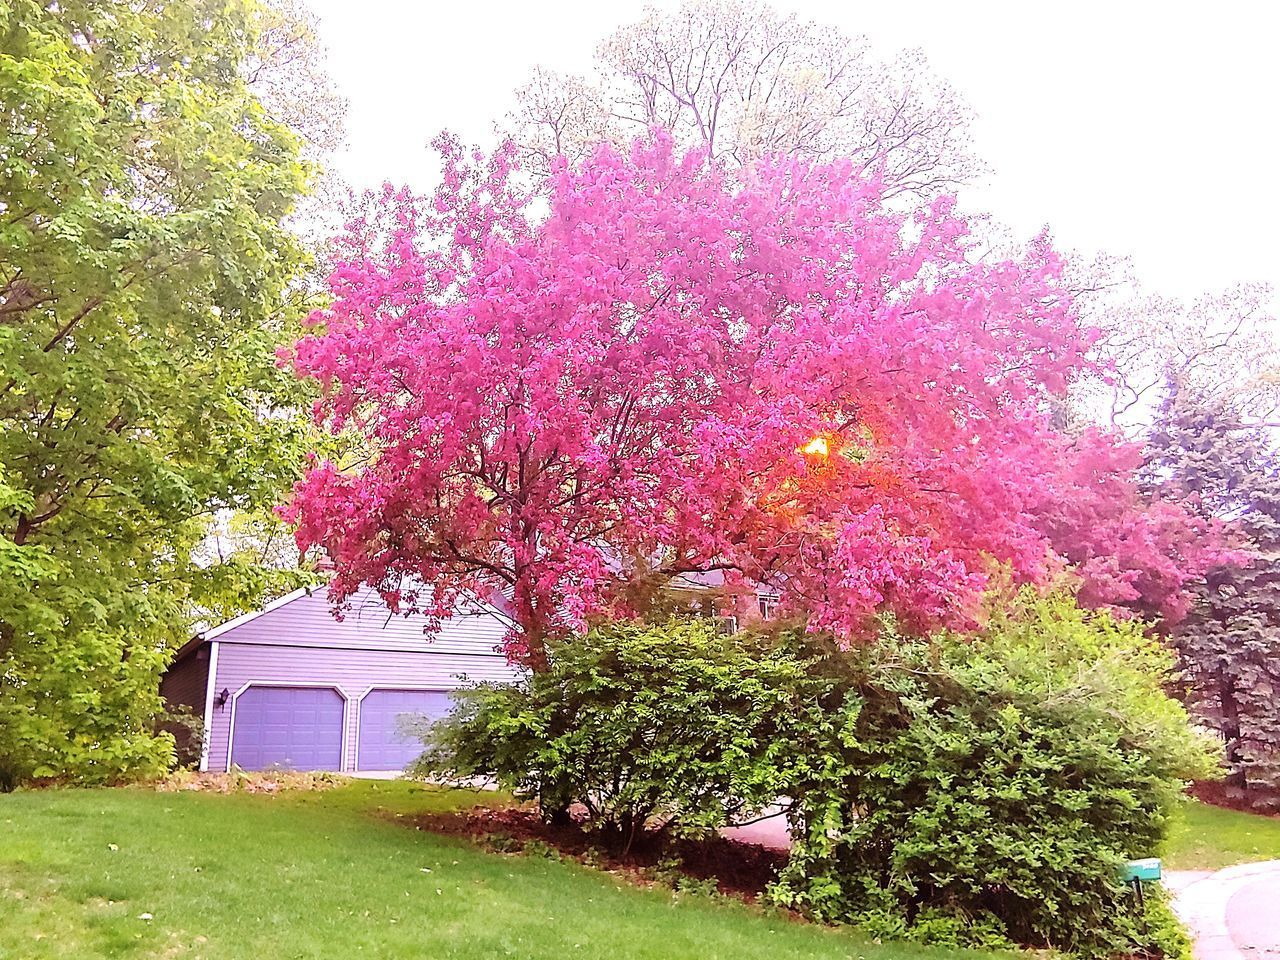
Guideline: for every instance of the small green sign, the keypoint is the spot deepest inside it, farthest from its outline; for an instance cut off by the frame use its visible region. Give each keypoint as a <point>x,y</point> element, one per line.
<point>1148,869</point>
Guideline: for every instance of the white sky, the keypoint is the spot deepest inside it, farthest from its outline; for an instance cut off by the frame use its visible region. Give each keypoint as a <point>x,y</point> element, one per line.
<point>1144,129</point>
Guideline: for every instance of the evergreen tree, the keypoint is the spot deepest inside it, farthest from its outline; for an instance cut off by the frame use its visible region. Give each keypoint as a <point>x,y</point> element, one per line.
<point>1206,454</point>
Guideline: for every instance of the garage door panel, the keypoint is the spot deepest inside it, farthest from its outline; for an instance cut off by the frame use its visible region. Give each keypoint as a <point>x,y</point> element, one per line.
<point>294,728</point>
<point>383,743</point>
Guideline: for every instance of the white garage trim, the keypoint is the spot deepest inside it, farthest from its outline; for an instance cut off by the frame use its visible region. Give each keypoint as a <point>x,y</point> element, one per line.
<point>429,687</point>
<point>209,686</point>
<point>300,684</point>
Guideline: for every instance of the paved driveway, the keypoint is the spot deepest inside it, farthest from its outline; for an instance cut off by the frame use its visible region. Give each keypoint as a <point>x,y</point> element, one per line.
<point>1233,914</point>
<point>769,831</point>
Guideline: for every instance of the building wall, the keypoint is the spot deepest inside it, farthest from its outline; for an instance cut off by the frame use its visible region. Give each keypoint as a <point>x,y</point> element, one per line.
<point>184,685</point>
<point>373,658</point>
<point>301,643</point>
<point>368,625</point>
<point>352,672</point>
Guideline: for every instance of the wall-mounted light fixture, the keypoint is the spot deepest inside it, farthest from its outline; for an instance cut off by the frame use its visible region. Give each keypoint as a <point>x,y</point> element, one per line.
<point>223,697</point>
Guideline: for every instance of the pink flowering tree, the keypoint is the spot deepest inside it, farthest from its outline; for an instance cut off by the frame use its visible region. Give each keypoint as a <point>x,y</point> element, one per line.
<point>668,371</point>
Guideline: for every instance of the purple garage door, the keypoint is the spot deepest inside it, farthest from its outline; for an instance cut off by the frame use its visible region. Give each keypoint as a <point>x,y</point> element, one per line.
<point>383,745</point>
<point>294,728</point>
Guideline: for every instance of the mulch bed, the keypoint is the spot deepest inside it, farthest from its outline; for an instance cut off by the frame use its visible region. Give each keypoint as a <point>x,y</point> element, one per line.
<point>737,869</point>
<point>1222,794</point>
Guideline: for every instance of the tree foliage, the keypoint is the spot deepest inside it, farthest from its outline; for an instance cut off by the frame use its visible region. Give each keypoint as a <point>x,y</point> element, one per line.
<point>673,725</point>
<point>1208,453</point>
<point>744,81</point>
<point>144,282</point>
<point>978,791</point>
<point>990,789</point>
<point>1220,347</point>
<point>779,377</point>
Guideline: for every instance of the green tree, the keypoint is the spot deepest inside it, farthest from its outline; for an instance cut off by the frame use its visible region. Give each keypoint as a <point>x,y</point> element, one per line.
<point>1207,453</point>
<point>146,276</point>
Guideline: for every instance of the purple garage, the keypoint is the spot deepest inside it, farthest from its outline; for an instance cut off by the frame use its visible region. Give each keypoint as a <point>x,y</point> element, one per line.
<point>290,686</point>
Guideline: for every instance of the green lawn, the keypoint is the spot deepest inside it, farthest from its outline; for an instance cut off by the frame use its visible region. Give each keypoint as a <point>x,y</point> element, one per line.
<point>318,875</point>
<point>1204,837</point>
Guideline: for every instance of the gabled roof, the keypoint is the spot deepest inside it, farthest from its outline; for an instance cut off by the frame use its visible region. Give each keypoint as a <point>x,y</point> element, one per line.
<point>214,632</point>
<point>210,633</point>
<point>369,624</point>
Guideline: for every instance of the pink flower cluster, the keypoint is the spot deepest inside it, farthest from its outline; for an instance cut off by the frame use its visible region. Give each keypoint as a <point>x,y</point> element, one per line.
<point>550,404</point>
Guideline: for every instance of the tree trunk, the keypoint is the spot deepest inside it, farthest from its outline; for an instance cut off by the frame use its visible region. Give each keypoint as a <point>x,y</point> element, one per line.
<point>1231,728</point>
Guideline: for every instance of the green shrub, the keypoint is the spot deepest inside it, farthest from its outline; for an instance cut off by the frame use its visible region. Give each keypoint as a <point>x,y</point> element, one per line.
<point>669,725</point>
<point>972,792</point>
<point>186,726</point>
<point>967,792</point>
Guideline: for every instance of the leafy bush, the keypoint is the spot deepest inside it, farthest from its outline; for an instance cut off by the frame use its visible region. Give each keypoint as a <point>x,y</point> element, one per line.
<point>186,726</point>
<point>671,724</point>
<point>973,792</point>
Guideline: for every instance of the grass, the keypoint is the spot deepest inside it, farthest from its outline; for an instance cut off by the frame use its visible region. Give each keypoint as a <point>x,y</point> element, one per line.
<point>137,874</point>
<point>1205,837</point>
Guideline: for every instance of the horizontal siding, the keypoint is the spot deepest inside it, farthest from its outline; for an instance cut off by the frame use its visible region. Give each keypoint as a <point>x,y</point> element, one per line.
<point>366,625</point>
<point>183,684</point>
<point>353,672</point>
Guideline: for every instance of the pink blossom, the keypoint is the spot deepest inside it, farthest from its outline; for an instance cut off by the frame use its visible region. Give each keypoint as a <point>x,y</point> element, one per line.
<point>552,405</point>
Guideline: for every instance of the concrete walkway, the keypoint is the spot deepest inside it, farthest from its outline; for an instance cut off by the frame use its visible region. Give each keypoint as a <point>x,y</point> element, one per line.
<point>1233,914</point>
<point>770,831</point>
